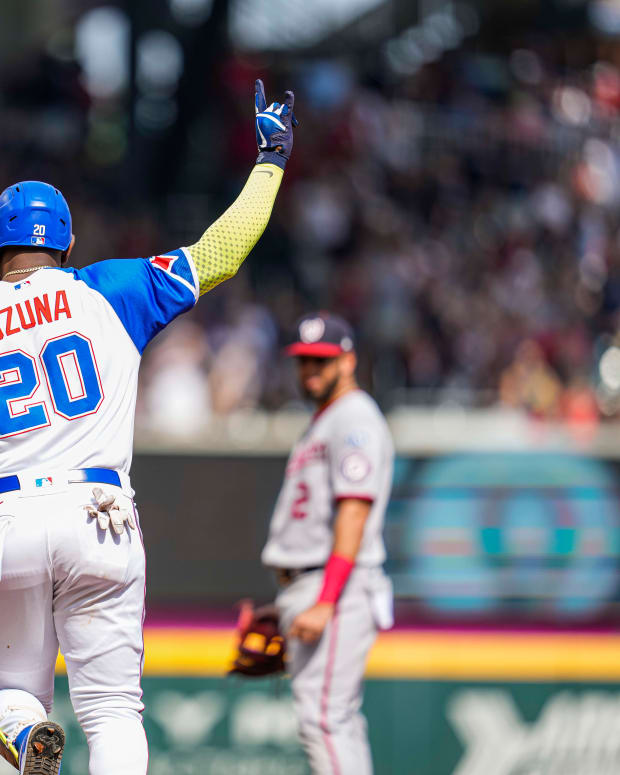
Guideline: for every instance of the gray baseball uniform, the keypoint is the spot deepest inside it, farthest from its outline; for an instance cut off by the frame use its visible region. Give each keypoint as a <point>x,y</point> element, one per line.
<point>346,452</point>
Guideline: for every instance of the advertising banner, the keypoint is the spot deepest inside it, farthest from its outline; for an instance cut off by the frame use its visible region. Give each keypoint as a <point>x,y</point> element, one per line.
<point>229,727</point>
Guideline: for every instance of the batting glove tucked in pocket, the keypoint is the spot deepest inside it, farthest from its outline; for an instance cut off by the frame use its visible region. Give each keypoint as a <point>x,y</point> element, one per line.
<point>108,511</point>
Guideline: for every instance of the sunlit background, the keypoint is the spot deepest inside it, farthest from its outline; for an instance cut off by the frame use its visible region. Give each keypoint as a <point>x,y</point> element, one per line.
<point>454,192</point>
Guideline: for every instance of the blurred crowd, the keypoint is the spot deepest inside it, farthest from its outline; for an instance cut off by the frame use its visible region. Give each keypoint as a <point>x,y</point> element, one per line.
<point>464,218</point>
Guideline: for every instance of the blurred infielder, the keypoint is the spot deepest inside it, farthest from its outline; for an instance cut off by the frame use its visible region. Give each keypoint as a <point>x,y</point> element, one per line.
<point>71,555</point>
<point>325,542</point>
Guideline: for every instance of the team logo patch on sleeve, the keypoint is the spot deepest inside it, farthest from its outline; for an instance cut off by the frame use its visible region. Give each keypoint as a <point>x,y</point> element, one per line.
<point>163,262</point>
<point>355,467</point>
<point>176,265</point>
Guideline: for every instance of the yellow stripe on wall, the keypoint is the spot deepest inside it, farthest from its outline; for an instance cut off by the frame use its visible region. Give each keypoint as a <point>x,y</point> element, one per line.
<point>424,655</point>
<point>496,656</point>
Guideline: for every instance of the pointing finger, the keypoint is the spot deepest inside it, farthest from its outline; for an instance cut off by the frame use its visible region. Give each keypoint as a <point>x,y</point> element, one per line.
<point>289,101</point>
<point>260,103</point>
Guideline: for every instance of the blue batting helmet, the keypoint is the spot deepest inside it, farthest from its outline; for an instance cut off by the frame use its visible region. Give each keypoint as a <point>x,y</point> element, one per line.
<point>35,214</point>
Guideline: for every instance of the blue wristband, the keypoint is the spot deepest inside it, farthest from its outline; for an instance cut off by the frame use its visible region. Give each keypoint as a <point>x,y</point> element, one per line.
<point>272,157</point>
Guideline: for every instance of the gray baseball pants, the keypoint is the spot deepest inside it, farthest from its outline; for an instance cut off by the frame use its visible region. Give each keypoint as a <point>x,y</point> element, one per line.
<point>327,677</point>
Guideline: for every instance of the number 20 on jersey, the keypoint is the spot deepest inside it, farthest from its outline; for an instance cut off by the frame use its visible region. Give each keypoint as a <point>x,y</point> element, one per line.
<point>68,364</point>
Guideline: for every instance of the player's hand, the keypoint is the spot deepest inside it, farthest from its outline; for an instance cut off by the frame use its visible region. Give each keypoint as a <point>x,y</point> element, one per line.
<point>274,127</point>
<point>107,511</point>
<point>309,625</point>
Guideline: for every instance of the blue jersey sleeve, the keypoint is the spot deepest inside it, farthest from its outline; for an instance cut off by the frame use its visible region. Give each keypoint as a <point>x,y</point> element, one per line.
<point>145,293</point>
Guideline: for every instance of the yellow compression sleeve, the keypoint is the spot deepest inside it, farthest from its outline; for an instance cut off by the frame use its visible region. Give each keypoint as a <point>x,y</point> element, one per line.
<point>221,250</point>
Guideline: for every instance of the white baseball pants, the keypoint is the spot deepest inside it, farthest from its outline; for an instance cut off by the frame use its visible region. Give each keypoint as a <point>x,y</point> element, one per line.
<point>64,581</point>
<point>327,677</point>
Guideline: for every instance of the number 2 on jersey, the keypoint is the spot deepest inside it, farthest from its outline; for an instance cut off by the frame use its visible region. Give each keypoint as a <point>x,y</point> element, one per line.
<point>68,363</point>
<point>303,496</point>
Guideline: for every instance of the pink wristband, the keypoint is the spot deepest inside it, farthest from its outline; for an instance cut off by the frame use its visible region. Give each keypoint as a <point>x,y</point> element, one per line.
<point>337,571</point>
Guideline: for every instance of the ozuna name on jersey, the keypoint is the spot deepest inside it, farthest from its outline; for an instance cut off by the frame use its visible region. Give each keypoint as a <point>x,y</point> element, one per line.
<point>33,312</point>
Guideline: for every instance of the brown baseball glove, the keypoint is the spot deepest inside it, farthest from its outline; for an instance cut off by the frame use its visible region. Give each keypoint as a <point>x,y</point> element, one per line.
<point>261,647</point>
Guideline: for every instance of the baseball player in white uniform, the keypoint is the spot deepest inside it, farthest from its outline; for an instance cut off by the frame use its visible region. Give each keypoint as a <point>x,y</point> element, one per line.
<point>325,543</point>
<point>72,569</point>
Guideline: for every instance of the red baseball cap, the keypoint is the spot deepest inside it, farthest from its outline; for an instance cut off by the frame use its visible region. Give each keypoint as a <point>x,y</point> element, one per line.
<point>321,335</point>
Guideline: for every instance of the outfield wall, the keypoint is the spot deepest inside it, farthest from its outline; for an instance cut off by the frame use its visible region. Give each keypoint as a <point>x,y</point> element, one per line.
<point>457,702</point>
<point>491,537</point>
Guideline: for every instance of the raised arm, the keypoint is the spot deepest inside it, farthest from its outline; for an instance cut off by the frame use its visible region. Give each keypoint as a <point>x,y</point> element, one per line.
<point>223,247</point>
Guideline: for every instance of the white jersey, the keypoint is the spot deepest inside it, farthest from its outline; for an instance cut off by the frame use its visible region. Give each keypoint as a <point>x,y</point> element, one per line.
<point>347,452</point>
<point>70,347</point>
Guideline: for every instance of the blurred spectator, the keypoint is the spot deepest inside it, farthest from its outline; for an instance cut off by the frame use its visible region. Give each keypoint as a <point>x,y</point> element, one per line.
<point>529,383</point>
<point>238,373</point>
<point>580,410</point>
<point>175,397</point>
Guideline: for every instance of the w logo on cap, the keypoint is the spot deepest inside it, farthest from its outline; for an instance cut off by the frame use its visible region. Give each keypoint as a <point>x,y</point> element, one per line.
<point>311,330</point>
<point>321,335</point>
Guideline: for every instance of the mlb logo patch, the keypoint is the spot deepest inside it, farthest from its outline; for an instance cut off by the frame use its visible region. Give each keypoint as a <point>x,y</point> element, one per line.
<point>163,262</point>
<point>44,481</point>
<point>37,240</point>
<point>23,283</point>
